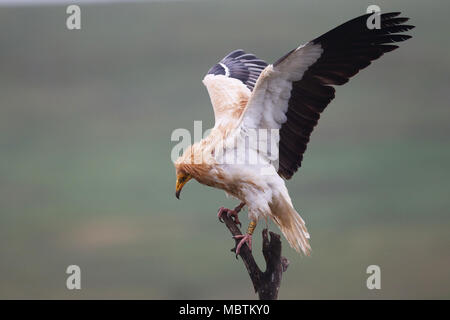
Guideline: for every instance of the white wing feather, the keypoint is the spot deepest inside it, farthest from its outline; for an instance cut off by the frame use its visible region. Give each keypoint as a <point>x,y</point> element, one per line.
<point>268,103</point>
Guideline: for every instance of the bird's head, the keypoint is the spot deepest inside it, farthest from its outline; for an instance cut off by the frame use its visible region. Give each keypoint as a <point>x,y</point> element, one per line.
<point>182,178</point>
<point>182,170</point>
<point>191,165</point>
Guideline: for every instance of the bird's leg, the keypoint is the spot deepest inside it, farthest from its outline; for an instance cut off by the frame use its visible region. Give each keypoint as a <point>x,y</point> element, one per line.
<point>247,238</point>
<point>231,213</point>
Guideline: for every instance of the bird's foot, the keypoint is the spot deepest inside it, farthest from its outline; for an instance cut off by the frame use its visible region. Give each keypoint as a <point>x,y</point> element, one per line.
<point>247,238</point>
<point>230,213</point>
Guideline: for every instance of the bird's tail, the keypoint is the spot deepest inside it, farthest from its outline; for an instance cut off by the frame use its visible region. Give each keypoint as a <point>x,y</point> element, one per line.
<point>291,224</point>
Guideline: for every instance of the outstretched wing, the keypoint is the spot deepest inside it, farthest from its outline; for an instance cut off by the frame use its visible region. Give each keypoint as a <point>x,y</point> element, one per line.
<point>291,94</point>
<point>230,83</point>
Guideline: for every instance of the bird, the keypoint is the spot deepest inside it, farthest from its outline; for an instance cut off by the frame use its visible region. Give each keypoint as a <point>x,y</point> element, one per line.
<point>279,104</point>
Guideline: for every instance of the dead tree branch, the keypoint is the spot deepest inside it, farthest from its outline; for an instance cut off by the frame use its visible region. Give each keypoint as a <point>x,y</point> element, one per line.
<point>267,283</point>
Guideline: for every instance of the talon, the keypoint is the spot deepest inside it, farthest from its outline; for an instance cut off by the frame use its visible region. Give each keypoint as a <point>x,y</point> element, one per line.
<point>233,214</point>
<point>219,213</point>
<point>247,238</point>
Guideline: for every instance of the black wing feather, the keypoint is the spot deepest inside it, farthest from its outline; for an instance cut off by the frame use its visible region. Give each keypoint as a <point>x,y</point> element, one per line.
<point>347,49</point>
<point>240,65</point>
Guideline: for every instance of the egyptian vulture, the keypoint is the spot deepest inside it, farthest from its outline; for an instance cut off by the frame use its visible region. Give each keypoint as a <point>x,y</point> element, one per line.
<point>279,104</point>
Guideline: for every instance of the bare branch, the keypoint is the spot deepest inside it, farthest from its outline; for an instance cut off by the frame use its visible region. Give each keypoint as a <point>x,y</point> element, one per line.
<point>267,283</point>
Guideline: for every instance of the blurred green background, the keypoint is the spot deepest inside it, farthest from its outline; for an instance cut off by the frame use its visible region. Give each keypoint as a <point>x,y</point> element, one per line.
<point>86,177</point>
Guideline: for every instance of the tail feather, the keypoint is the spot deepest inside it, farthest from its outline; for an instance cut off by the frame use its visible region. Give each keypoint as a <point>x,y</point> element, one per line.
<point>291,225</point>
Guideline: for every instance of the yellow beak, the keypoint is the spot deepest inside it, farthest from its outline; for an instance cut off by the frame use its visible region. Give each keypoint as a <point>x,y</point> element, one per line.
<point>181,181</point>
